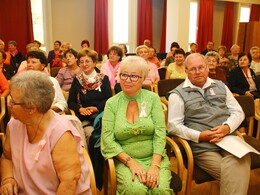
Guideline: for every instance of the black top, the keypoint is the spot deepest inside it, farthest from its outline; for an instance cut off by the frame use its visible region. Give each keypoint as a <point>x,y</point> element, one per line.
<point>238,82</point>
<point>77,97</point>
<point>8,71</point>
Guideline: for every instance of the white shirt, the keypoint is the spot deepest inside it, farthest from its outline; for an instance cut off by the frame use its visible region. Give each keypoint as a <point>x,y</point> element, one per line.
<point>176,113</point>
<point>59,100</point>
<point>255,67</point>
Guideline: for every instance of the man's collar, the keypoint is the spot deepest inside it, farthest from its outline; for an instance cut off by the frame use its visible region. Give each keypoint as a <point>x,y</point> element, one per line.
<point>187,84</point>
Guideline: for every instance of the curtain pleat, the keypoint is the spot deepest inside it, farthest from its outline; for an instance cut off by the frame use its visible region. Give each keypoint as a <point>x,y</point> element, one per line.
<point>205,24</point>
<point>145,21</point>
<point>228,25</point>
<point>163,36</point>
<point>16,23</point>
<point>101,26</point>
<point>255,13</point>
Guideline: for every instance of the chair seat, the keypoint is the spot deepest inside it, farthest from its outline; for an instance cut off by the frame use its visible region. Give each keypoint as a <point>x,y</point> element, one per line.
<point>255,158</point>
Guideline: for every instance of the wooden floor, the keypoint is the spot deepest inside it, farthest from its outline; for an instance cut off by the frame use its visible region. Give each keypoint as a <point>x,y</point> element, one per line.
<point>212,188</point>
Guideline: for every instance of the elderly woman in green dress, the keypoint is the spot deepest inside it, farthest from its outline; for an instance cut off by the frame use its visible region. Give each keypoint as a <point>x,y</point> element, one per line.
<point>133,133</point>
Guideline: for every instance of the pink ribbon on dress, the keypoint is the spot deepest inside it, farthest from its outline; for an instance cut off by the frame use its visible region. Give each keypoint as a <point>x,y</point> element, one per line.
<point>143,107</point>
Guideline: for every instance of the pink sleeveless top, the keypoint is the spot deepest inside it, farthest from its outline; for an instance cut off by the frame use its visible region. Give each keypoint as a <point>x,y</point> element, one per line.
<point>33,167</point>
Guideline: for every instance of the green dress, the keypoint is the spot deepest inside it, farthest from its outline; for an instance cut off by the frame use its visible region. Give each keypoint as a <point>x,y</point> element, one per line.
<point>147,136</point>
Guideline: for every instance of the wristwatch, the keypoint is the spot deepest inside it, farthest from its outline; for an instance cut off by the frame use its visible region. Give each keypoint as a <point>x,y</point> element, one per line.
<point>127,159</point>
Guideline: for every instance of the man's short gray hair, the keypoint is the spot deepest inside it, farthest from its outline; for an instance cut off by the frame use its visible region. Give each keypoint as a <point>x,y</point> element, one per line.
<point>192,56</point>
<point>135,61</point>
<point>254,48</point>
<point>214,55</point>
<point>234,46</point>
<point>36,89</point>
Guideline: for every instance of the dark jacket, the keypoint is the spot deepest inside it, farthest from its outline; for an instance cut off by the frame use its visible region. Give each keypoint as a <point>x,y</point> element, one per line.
<point>238,82</point>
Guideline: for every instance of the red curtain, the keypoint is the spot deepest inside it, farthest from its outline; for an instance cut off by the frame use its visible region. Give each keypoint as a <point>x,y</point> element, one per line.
<point>163,36</point>
<point>205,24</point>
<point>16,23</point>
<point>101,26</point>
<point>145,23</point>
<point>228,25</point>
<point>255,13</point>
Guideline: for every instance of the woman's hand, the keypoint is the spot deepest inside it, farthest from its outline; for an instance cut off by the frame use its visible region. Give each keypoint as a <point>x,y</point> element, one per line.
<point>152,177</point>
<point>248,93</point>
<point>9,186</point>
<point>88,111</point>
<point>138,170</point>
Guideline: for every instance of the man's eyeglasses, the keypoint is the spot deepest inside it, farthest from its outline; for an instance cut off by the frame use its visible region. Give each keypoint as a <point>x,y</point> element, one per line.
<point>12,103</point>
<point>194,70</point>
<point>132,77</point>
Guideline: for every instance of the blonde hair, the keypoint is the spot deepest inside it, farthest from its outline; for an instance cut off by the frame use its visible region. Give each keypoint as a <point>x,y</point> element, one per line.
<point>141,47</point>
<point>136,61</point>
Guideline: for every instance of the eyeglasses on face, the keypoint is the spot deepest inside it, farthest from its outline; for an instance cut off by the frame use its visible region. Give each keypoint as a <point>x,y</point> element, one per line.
<point>133,77</point>
<point>194,70</point>
<point>12,103</point>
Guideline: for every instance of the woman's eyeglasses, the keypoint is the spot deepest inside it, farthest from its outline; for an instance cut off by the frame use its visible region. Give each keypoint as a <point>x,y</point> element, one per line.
<point>12,103</point>
<point>132,77</point>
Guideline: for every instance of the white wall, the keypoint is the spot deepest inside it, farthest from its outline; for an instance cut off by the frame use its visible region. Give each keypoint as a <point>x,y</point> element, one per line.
<point>73,21</point>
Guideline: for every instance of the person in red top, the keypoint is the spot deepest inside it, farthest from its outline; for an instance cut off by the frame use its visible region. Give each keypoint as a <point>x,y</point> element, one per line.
<point>4,85</point>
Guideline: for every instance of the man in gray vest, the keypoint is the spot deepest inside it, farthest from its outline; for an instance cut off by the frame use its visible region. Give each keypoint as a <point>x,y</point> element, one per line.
<point>203,111</point>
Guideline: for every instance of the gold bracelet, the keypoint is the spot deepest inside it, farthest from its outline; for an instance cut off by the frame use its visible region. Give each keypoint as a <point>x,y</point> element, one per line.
<point>7,178</point>
<point>156,165</point>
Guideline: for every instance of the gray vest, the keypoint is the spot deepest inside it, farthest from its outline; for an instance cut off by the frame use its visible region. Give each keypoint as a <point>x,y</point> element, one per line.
<point>204,112</point>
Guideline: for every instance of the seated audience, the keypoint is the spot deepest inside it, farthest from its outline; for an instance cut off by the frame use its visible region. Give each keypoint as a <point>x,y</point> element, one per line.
<point>203,111</point>
<point>135,137</point>
<point>210,47</point>
<point>52,53</point>
<point>29,47</point>
<point>233,58</point>
<point>213,59</point>
<point>85,44</point>
<point>59,59</point>
<point>36,60</point>
<point>124,50</point>
<point>89,90</point>
<point>176,70</point>
<point>66,74</point>
<point>193,49</point>
<point>152,57</point>
<point>147,42</point>
<point>110,68</point>
<point>255,64</point>
<point>2,45</point>
<point>223,61</point>
<point>153,74</point>
<point>170,55</point>
<point>7,70</point>
<point>37,44</point>
<point>16,56</point>
<point>242,79</point>
<point>38,141</point>
<point>4,86</point>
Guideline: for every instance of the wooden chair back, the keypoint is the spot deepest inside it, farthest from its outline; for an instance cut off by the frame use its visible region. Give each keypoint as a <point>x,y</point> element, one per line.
<point>92,174</point>
<point>248,106</point>
<point>164,86</point>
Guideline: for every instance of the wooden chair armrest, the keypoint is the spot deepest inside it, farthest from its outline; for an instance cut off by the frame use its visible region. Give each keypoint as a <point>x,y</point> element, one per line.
<point>92,174</point>
<point>110,177</point>
<point>175,148</point>
<point>72,112</point>
<point>165,101</point>
<point>257,117</point>
<point>155,87</point>
<point>240,135</point>
<point>2,114</point>
<point>190,160</point>
<point>2,137</point>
